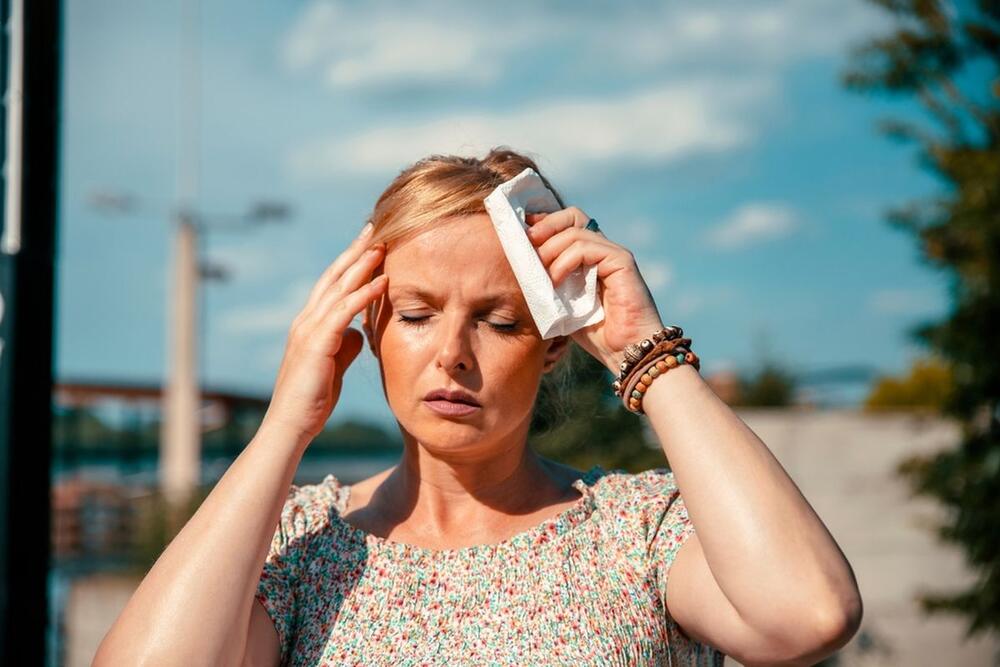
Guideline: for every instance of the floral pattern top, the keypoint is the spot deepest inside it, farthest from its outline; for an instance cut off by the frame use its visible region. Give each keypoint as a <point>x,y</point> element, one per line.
<point>585,587</point>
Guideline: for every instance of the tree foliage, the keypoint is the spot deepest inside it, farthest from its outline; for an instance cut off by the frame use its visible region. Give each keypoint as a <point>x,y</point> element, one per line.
<point>769,386</point>
<point>926,387</point>
<point>579,421</point>
<point>947,56</point>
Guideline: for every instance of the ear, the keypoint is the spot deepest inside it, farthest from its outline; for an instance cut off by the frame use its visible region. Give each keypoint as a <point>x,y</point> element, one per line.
<point>557,348</point>
<point>367,326</point>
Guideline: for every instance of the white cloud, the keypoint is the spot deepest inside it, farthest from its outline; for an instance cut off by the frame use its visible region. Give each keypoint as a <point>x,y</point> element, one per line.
<point>661,124</point>
<point>267,318</point>
<point>694,299</point>
<point>360,44</point>
<point>657,273</point>
<point>252,262</point>
<point>366,44</point>
<point>743,34</point>
<point>753,223</point>
<point>903,302</point>
<point>639,232</point>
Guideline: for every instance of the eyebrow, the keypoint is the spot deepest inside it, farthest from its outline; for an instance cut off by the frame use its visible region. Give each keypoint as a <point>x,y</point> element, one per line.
<point>420,293</point>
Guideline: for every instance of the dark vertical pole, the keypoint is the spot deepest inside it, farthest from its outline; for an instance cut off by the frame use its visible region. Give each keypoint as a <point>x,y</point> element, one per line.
<point>27,278</point>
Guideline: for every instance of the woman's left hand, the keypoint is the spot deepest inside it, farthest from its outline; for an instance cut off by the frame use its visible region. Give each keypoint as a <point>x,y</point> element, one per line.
<point>629,311</point>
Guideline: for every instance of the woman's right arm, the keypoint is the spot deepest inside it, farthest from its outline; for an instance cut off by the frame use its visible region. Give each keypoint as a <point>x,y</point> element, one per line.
<point>196,605</point>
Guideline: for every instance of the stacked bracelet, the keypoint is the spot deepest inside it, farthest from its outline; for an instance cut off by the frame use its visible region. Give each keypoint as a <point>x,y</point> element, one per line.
<point>636,352</point>
<point>659,357</point>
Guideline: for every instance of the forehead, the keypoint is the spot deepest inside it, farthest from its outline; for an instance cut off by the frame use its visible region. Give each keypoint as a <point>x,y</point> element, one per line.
<point>462,252</point>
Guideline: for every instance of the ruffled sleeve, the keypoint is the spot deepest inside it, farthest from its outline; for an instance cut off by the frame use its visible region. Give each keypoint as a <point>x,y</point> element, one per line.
<point>665,521</point>
<point>305,512</point>
<point>658,525</point>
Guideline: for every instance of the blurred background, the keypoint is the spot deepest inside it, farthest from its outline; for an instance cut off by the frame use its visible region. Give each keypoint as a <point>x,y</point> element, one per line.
<point>811,189</point>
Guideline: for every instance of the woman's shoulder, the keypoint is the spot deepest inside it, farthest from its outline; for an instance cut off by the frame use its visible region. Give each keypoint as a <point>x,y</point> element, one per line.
<point>620,486</point>
<point>307,507</point>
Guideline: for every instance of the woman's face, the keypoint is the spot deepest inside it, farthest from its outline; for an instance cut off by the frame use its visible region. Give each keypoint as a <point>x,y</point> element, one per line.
<point>454,318</point>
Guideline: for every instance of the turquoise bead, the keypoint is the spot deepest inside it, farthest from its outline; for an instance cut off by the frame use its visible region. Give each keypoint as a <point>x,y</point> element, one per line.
<point>680,357</point>
<point>636,394</point>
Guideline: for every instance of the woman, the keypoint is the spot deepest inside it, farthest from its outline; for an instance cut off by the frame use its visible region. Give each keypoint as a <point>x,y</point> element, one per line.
<point>473,549</point>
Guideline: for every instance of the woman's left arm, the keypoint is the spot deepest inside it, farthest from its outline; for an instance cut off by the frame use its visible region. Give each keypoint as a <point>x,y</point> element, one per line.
<point>761,578</point>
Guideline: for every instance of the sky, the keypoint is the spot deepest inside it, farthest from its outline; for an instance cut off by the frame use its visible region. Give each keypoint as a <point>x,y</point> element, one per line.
<point>712,139</point>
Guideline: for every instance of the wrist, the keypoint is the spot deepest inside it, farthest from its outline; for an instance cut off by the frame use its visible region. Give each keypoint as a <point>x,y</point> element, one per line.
<point>279,434</point>
<point>674,382</point>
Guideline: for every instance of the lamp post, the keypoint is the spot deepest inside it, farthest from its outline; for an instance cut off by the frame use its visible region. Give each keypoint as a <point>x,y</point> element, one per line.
<point>180,430</point>
<point>180,437</point>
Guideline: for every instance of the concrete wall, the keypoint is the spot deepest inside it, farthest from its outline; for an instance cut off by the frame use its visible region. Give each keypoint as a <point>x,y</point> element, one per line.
<point>843,461</point>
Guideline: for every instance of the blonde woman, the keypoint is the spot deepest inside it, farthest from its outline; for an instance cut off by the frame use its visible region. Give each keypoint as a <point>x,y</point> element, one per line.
<point>473,549</point>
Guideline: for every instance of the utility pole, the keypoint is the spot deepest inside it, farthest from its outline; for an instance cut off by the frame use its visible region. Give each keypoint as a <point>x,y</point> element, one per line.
<point>180,439</point>
<point>180,436</point>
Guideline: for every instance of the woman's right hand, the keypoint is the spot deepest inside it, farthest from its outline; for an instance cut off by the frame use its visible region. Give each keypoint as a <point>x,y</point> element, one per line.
<point>321,345</point>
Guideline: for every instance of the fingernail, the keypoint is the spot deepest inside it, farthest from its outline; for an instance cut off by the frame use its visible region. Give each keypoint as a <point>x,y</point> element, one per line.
<point>367,229</point>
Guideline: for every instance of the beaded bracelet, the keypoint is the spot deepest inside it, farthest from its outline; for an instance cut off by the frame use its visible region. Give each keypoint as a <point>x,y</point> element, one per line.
<point>657,350</point>
<point>637,383</point>
<point>635,352</point>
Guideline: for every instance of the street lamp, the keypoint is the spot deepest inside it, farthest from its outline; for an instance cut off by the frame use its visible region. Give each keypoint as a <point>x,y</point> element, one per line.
<point>180,436</point>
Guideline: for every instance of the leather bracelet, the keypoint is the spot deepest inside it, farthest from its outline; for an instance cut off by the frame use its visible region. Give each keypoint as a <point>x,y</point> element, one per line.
<point>657,350</point>
<point>635,352</point>
<point>638,382</point>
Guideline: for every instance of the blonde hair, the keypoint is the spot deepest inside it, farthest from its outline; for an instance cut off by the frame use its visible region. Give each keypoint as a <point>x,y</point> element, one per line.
<point>442,186</point>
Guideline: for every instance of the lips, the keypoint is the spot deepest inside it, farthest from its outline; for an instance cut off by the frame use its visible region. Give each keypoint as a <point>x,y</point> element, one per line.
<point>452,395</point>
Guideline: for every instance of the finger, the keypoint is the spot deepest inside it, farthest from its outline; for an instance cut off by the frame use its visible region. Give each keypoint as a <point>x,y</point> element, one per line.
<point>339,265</point>
<point>327,323</point>
<point>353,278</point>
<point>589,253</point>
<point>553,223</point>
<point>557,243</point>
<point>336,316</point>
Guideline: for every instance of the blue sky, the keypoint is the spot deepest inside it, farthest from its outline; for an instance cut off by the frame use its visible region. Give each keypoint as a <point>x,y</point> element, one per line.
<point>711,138</point>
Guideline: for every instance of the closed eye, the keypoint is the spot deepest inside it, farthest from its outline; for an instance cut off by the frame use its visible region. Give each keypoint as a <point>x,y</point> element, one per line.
<point>421,321</point>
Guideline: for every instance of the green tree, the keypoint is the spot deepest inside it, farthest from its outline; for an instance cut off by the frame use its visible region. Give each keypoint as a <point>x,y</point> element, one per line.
<point>579,421</point>
<point>947,56</point>
<point>770,385</point>
<point>926,387</point>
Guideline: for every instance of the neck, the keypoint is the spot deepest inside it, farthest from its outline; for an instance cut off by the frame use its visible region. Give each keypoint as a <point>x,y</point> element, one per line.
<point>448,494</point>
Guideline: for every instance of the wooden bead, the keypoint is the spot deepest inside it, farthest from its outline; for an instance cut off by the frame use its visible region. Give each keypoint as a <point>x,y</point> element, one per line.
<point>646,379</point>
<point>653,371</point>
<point>689,357</point>
<point>633,403</point>
<point>662,365</point>
<point>671,362</point>
<point>641,388</point>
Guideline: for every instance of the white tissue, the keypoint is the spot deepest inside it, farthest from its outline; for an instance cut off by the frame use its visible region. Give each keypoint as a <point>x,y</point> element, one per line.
<point>557,311</point>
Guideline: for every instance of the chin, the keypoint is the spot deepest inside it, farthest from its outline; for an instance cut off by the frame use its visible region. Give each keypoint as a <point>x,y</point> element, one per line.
<point>445,433</point>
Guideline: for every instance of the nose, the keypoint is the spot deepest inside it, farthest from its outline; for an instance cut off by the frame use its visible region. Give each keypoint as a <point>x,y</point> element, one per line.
<point>454,345</point>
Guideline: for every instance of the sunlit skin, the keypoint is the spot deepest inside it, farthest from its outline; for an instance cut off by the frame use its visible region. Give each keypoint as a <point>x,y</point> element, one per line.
<point>454,317</point>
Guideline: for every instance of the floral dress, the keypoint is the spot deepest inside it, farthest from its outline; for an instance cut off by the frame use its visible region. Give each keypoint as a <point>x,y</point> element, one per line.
<point>585,587</point>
